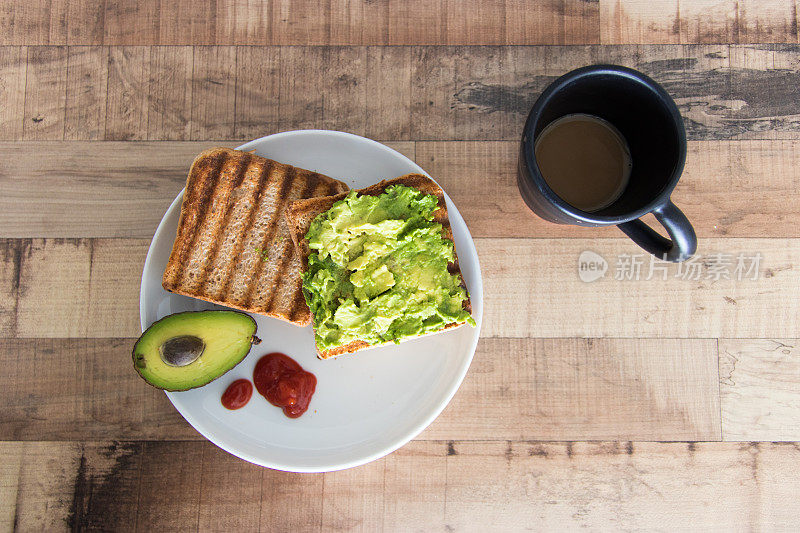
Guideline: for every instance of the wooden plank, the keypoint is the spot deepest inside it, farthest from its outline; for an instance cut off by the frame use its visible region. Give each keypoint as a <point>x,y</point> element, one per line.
<point>301,101</point>
<point>243,22</point>
<point>87,86</point>
<point>439,93</point>
<point>45,93</point>
<point>487,485</point>
<point>307,22</point>
<point>54,275</point>
<point>388,82</point>
<point>641,22</point>
<point>11,253</point>
<point>408,23</point>
<point>182,22</point>
<point>421,22</point>
<point>290,501</point>
<point>469,22</point>
<point>213,92</point>
<point>11,454</point>
<point>45,487</point>
<point>443,87</point>
<point>170,486</point>
<point>83,389</point>
<point>690,21</point>
<point>169,108</point>
<point>125,189</point>
<point>230,492</point>
<point>758,388</point>
<point>620,486</point>
<point>130,23</point>
<point>36,22</point>
<point>586,389</point>
<point>112,297</point>
<point>344,98</point>
<point>13,70</point>
<point>257,91</point>
<point>84,284</point>
<point>552,22</point>
<point>126,109</point>
<point>76,486</point>
<point>415,486</point>
<point>85,22</point>
<point>533,290</point>
<point>540,389</point>
<point>526,281</point>
<point>354,499</point>
<point>767,22</point>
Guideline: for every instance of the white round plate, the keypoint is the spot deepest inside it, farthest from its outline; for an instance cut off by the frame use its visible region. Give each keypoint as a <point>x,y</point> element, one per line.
<point>366,405</point>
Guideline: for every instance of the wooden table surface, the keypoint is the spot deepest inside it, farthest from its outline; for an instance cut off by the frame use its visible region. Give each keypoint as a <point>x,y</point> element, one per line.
<point>656,403</point>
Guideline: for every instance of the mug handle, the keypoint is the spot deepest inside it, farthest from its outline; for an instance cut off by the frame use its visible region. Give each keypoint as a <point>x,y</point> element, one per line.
<point>684,241</point>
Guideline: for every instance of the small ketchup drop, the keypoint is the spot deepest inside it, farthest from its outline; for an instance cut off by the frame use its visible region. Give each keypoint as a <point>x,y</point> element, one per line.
<point>237,394</point>
<point>284,383</point>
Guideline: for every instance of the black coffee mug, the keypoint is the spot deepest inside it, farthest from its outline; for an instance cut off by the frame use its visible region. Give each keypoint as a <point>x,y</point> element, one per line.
<point>649,121</point>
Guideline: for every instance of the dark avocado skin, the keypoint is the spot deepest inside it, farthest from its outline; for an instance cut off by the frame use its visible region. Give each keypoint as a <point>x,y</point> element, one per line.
<point>181,324</point>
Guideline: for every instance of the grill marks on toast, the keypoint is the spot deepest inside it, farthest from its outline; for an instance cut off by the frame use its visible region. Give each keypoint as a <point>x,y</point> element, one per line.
<point>195,195</point>
<point>210,229</point>
<point>263,263</point>
<point>287,251</point>
<point>216,264</point>
<point>256,191</point>
<point>231,215</point>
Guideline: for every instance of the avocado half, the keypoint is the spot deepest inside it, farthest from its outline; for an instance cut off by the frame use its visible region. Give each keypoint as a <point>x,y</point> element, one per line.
<point>188,350</point>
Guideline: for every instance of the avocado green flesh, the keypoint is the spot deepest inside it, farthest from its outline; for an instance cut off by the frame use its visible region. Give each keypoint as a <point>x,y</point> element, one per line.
<point>377,270</point>
<point>227,335</point>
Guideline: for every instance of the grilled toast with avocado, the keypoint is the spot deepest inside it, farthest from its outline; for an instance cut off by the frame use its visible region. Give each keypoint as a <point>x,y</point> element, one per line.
<point>379,270</point>
<point>233,245</point>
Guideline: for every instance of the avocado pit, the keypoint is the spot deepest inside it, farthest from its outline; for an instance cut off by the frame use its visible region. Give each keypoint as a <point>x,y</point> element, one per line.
<point>182,350</point>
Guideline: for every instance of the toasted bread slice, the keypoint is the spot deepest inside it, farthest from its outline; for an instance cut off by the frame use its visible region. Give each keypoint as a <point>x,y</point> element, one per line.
<point>233,245</point>
<point>301,213</point>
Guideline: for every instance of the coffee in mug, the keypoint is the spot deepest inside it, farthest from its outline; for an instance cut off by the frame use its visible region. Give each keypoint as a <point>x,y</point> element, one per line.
<point>585,160</point>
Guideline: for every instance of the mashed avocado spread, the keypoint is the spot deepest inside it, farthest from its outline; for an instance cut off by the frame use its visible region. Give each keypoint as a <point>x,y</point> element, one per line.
<point>377,270</point>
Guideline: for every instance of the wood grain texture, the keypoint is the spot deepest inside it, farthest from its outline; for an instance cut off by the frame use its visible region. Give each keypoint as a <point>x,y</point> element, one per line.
<point>532,289</point>
<point>758,387</point>
<point>420,93</point>
<point>128,93</point>
<point>125,188</point>
<point>169,109</point>
<point>85,389</point>
<point>331,22</point>
<point>692,21</point>
<point>13,71</point>
<point>527,389</point>
<point>84,284</point>
<point>213,92</point>
<point>593,389</point>
<point>257,91</point>
<point>87,93</point>
<point>45,93</point>
<point>468,484</point>
<point>525,282</point>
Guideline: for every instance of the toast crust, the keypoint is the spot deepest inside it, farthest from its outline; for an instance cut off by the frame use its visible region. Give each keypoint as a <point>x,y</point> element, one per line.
<point>231,247</point>
<point>301,213</point>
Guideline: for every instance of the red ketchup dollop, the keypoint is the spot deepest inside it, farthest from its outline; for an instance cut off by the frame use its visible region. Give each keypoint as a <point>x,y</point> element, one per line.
<point>284,383</point>
<point>237,394</point>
